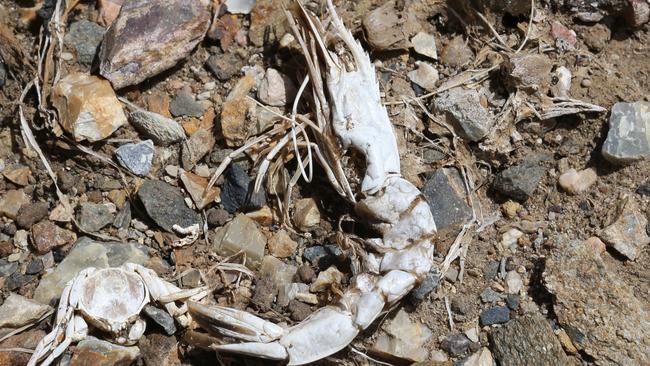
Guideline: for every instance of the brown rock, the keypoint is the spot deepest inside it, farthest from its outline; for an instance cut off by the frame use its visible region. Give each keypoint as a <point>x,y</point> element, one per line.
<point>108,11</point>
<point>267,15</point>
<point>575,182</point>
<point>88,107</point>
<point>195,148</point>
<point>159,103</point>
<point>225,30</point>
<point>389,28</point>
<point>637,13</point>
<point>30,214</point>
<point>160,350</point>
<point>457,53</point>
<point>196,186</point>
<point>235,112</point>
<point>46,236</point>
<point>530,71</point>
<point>11,202</point>
<point>28,339</point>
<point>194,124</point>
<point>150,36</point>
<point>92,351</point>
<point>281,245</point>
<point>627,234</point>
<point>19,175</point>
<point>306,215</point>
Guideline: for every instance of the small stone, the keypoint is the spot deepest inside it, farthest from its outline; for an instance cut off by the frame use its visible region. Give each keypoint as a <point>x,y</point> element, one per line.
<point>455,344</point>
<point>18,175</point>
<point>92,351</point>
<point>445,193</point>
<point>520,181</point>
<point>637,13</point>
<point>628,233</point>
<point>388,28</point>
<point>528,340</point>
<point>495,315</point>
<point>31,213</point>
<point>489,296</point>
<point>195,148</point>
<point>237,192</point>
<point>149,37</point>
<point>88,107</point>
<point>425,44</point>
<point>162,130</point>
<point>276,89</point>
<point>460,306</point>
<point>306,215</point>
<point>288,292</point>
<point>137,157</point>
<point>422,291</point>
<point>87,253</point>
<point>327,279</point>
<point>585,83</point>
<point>281,245</point>
<point>263,216</point>
<point>217,217</point>
<point>184,104</point>
<point>35,267</point>
<point>17,311</point>
<point>513,301</point>
<point>11,202</point>
<point>5,249</point>
<point>299,310</point>
<point>575,182</point>
<point>28,339</point>
<point>224,66</point>
<point>530,71</point>
<point>456,53</point>
<point>20,239</point>
<point>514,283</point>
<point>490,270</point>
<point>191,279</point>
<point>196,186</point>
<point>108,11</point>
<point>628,139</point>
<point>563,36</point>
<point>241,234</point>
<point>305,273</point>
<point>47,236</point>
<point>7,268</point>
<point>159,350</point>
<point>166,206</point>
<point>566,342</point>
<point>236,112</point>
<point>92,217</point>
<point>464,108</point>
<point>644,189</point>
<point>404,338</point>
<point>483,357</point>
<point>472,334</point>
<point>239,6</point>
<point>510,208</point>
<point>85,36</point>
<point>3,74</point>
<point>161,317</point>
<point>123,217</point>
<point>18,280</point>
<point>273,275</point>
<point>425,76</point>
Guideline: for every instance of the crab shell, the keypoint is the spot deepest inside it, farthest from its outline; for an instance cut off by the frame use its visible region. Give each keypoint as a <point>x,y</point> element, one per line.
<point>111,299</point>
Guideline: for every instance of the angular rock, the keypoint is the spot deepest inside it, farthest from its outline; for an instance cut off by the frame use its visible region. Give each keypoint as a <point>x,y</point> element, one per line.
<point>599,310</point>
<point>196,186</point>
<point>627,234</point>
<point>17,311</point>
<point>628,139</point>
<point>529,71</point>
<point>637,13</point>
<point>236,111</point>
<point>456,53</point>
<point>445,193</point>
<point>88,107</point>
<point>151,36</point>
<point>281,245</point>
<point>241,234</point>
<point>159,350</point>
<point>31,213</point>
<point>85,36</point>
<point>520,181</point>
<point>481,358</point>
<point>426,76</point>
<point>224,66</point>
<point>123,217</point>
<point>92,217</point>
<point>465,110</point>
<point>289,292</point>
<point>404,338</point>
<point>109,10</point>
<point>7,268</point>
<point>495,315</point>
<point>276,89</point>
<point>563,36</point>
<point>455,344</point>
<point>161,317</point>
<point>575,182</point>
<point>137,158</point>
<point>162,130</point>
<point>93,351</point>
<point>47,236</point>
<point>184,105</point>
<point>217,217</point>
<point>28,339</point>
<point>87,253</point>
<point>425,44</point>
<point>389,28</point>
<point>18,175</point>
<point>306,215</point>
<point>273,274</point>
<point>422,291</point>
<point>166,206</point>
<point>35,267</point>
<point>195,148</point>
<point>514,283</point>
<point>11,202</point>
<point>237,192</point>
<point>527,340</point>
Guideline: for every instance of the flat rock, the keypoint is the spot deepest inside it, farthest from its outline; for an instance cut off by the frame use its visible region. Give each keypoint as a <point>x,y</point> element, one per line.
<point>184,105</point>
<point>445,193</point>
<point>386,28</point>
<point>88,107</point>
<point>162,130</point>
<point>195,148</point>
<point>426,76</point>
<point>527,340</point>
<point>276,89</point>
<point>18,175</point>
<point>166,206</point>
<point>93,351</point>
<point>495,315</point>
<point>28,339</point>
<point>46,236</point>
<point>237,190</point>
<point>576,182</point>
<point>306,215</point>
<point>137,158</point>
<point>425,44</point>
<point>404,338</point>
<point>159,350</point>
<point>195,186</point>
<point>224,66</point>
<point>627,234</point>
<point>161,317</point>
<point>628,139</point>
<point>241,234</point>
<point>239,6</point>
<point>151,36</point>
<point>281,245</point>
<point>85,36</point>
<point>530,71</point>
<point>31,213</point>
<point>456,53</point>
<point>481,358</point>
<point>465,110</point>
<point>87,253</point>
<point>11,202</point>
<point>17,311</point>
<point>520,181</point>
<point>92,217</point>
<point>599,310</point>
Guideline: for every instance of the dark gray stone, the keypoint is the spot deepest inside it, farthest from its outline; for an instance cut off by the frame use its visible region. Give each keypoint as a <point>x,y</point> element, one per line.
<point>495,315</point>
<point>527,340</point>
<point>18,280</point>
<point>184,105</point>
<point>136,157</point>
<point>217,217</point>
<point>422,291</point>
<point>166,206</point>
<point>162,318</point>
<point>628,139</point>
<point>93,217</point>
<point>225,66</point>
<point>644,188</point>
<point>445,192</point>
<point>7,268</point>
<point>512,301</point>
<point>323,256</point>
<point>123,217</point>
<point>455,344</point>
<point>3,74</point>
<point>520,181</point>
<point>490,270</point>
<point>237,191</point>
<point>34,267</point>
<point>86,37</point>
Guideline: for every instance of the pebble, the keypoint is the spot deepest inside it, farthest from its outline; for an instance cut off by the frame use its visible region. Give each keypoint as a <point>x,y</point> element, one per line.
<point>184,105</point>
<point>19,175</point>
<point>281,245</point>
<point>586,83</point>
<point>456,53</point>
<point>326,280</point>
<point>12,201</point>
<point>445,193</point>
<point>196,147</point>
<point>224,66</point>
<point>575,182</point>
<point>512,301</point>
<point>627,140</point>
<point>637,13</point>
<point>87,253</point>
<point>627,234</point>
<point>464,108</point>
<point>31,213</point>
<point>422,291</point>
<point>123,217</point>
<point>305,273</point>
<point>236,192</point>
<point>530,71</point>
<point>276,89</point>
<point>86,37</point>
<point>240,234</point>
<point>92,217</point>
<point>644,188</point>
<point>196,187</point>
<point>404,338</point>
<point>514,283</point>
<point>299,310</point>
<point>306,215</point>
<point>93,351</point>
<point>425,45</point>
<point>47,236</point>
<point>137,158</point>
<point>162,130</point>
<point>490,296</point>
<point>149,37</point>
<point>322,256</point>
<point>236,112</point>
<point>191,279</point>
<point>455,344</point>
<point>388,28</point>
<point>520,181</point>
<point>7,268</point>
<point>495,315</point>
<point>217,217</point>
<point>88,107</point>
<point>17,311</point>
<point>34,267</point>
<point>18,280</point>
<point>166,206</point>
<point>490,270</point>
<point>482,357</point>
<point>289,291</point>
<point>425,76</point>
<point>160,350</point>
<point>564,37</point>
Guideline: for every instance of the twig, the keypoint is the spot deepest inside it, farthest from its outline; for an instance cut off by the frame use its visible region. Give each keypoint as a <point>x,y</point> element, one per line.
<point>530,25</point>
